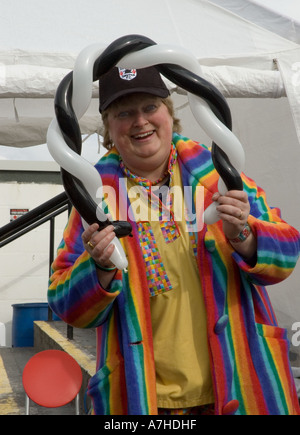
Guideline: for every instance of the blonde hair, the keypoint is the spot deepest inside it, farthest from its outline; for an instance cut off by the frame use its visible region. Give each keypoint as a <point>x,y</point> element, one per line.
<point>107,143</point>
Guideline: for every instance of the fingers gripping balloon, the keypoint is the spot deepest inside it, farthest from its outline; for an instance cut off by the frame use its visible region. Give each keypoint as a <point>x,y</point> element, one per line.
<point>81,180</point>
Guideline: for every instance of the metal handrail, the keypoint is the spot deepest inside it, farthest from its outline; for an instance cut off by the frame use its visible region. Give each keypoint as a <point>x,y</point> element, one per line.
<point>31,220</point>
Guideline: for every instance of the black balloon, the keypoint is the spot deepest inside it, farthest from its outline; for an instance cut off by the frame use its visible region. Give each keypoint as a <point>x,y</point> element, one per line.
<point>70,129</point>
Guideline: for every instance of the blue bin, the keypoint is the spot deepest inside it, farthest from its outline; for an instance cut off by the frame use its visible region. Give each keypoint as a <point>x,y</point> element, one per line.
<point>22,325</point>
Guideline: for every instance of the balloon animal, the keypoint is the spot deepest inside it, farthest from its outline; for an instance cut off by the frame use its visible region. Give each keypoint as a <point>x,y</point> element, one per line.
<point>81,180</point>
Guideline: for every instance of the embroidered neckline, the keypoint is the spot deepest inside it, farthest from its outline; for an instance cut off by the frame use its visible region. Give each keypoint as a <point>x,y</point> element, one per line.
<point>144,181</point>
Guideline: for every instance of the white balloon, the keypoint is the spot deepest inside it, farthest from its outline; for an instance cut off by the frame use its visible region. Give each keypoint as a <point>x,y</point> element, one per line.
<point>118,257</point>
<point>71,161</point>
<point>81,98</point>
<point>83,78</point>
<point>157,54</point>
<point>218,132</point>
<point>67,158</point>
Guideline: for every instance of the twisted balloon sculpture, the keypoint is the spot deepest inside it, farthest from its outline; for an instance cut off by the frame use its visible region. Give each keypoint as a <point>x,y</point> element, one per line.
<point>81,180</point>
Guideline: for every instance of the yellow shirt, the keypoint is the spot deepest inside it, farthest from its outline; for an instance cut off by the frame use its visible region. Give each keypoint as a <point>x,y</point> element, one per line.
<point>183,375</point>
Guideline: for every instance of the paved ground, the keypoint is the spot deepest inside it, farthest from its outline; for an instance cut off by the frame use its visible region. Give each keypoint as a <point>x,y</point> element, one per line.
<point>13,361</point>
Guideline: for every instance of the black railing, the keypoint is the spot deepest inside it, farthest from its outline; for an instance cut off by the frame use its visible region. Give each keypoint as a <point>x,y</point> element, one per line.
<point>33,219</point>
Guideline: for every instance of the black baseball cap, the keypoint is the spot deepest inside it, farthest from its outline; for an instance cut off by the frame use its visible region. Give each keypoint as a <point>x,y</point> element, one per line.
<point>120,81</point>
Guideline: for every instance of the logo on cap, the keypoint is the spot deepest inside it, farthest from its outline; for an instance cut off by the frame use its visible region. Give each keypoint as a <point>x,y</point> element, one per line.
<point>127,74</point>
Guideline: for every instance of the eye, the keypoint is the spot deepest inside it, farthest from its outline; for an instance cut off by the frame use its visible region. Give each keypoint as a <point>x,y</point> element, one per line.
<point>124,114</point>
<point>150,108</point>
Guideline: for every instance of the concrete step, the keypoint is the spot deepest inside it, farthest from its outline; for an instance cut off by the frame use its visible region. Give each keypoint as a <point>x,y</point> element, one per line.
<point>12,363</point>
<point>47,335</point>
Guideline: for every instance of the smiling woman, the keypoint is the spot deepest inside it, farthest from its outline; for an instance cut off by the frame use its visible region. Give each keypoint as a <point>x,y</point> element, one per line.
<point>177,331</point>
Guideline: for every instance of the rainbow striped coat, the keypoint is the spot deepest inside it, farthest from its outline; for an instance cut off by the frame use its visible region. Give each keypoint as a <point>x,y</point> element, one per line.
<point>248,351</point>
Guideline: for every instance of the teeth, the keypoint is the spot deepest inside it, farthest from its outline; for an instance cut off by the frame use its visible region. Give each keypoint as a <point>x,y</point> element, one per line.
<point>141,136</point>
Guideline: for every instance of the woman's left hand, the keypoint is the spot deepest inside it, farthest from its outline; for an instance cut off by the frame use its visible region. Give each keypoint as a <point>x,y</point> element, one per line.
<point>233,209</point>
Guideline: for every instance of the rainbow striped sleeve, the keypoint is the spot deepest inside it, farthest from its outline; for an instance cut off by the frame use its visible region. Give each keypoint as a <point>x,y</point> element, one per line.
<point>74,283</point>
<point>278,243</point>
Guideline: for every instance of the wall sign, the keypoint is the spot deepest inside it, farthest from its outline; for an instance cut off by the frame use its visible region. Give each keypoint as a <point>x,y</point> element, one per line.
<point>17,212</point>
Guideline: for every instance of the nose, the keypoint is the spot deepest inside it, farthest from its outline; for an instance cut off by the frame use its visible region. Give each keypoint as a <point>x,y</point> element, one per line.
<point>140,119</point>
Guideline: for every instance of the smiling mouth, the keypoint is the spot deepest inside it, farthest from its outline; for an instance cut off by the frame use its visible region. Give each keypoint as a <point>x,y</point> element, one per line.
<point>142,136</point>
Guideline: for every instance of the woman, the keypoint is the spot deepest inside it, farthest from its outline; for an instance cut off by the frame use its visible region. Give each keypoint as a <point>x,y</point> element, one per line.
<point>189,328</point>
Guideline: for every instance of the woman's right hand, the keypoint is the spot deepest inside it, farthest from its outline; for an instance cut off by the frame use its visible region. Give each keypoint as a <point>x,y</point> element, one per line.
<point>98,245</point>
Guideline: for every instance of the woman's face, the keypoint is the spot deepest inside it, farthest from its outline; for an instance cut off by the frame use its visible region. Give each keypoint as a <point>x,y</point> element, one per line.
<point>141,127</point>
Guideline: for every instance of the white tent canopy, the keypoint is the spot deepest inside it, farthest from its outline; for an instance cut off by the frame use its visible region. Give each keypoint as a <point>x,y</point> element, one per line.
<point>279,17</point>
<point>249,49</point>
<point>40,41</point>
